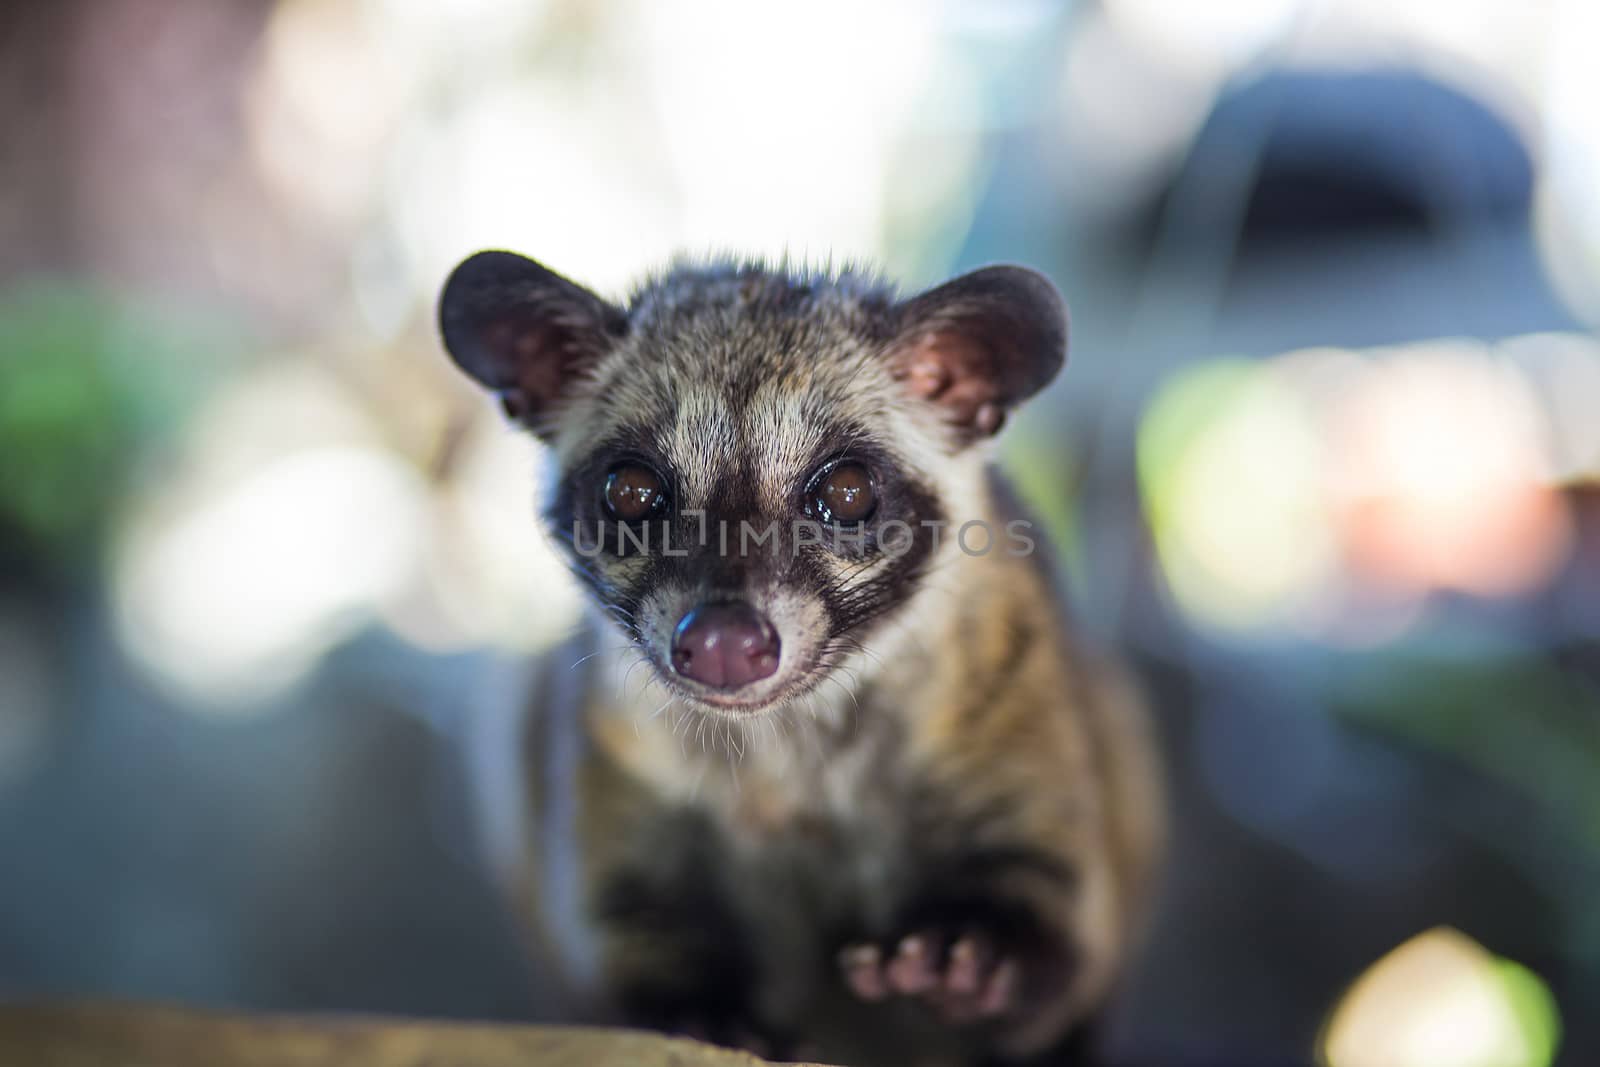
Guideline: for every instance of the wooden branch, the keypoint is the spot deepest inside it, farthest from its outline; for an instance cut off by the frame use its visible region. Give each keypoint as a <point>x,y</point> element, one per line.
<point>115,1035</point>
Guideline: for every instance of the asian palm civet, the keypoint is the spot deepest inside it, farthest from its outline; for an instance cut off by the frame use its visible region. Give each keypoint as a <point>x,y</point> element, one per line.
<point>825,771</point>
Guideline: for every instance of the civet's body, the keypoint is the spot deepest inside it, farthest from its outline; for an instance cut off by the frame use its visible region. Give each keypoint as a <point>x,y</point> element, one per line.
<point>827,773</point>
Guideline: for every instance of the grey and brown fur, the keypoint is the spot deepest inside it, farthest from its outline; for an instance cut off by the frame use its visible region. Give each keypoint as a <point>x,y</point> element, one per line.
<point>928,837</point>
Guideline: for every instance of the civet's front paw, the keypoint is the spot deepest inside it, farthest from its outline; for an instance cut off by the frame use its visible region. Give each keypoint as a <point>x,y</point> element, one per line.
<point>964,976</point>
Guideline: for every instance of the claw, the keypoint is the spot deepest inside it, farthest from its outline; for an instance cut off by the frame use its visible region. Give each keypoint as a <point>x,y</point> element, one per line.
<point>1000,990</point>
<point>968,982</point>
<point>915,967</point>
<point>863,971</point>
<point>964,971</point>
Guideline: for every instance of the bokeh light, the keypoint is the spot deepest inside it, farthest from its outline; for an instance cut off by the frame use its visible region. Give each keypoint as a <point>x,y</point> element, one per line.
<point>1442,1000</point>
<point>1227,33</point>
<point>1442,476</point>
<point>1275,488</point>
<point>1566,212</point>
<point>238,592</point>
<point>1231,466</point>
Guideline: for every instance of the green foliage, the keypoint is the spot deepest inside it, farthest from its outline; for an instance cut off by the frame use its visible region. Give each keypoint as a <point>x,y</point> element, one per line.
<point>88,385</point>
<point>1519,719</point>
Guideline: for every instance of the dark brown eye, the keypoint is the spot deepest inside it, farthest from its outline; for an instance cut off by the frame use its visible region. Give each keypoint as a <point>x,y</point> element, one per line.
<point>843,494</point>
<point>633,492</point>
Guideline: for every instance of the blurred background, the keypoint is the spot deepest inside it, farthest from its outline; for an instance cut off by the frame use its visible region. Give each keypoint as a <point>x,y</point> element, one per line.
<point>1323,462</point>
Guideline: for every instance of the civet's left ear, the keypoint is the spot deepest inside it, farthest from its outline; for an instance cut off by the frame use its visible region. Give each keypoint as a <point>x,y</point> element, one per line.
<point>979,345</point>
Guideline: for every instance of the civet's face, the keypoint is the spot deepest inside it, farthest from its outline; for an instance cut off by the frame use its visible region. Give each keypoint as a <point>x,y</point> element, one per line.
<point>753,468</point>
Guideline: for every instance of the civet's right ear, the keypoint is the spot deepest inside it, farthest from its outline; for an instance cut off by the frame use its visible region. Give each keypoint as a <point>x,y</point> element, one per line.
<point>524,332</point>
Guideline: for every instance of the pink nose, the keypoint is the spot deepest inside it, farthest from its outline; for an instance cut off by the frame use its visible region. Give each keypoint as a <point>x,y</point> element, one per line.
<point>725,646</point>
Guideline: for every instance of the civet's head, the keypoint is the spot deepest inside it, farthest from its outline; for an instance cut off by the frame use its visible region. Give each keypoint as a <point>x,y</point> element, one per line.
<point>755,467</point>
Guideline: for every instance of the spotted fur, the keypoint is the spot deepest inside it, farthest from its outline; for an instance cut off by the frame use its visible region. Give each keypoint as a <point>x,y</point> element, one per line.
<point>935,764</point>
